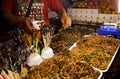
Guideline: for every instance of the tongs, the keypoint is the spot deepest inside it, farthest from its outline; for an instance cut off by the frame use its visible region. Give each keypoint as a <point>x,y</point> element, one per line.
<point>47,33</point>
<point>29,8</point>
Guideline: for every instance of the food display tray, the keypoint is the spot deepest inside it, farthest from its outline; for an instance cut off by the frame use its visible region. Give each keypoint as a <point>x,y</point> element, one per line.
<point>101,73</point>
<point>96,69</point>
<point>111,61</point>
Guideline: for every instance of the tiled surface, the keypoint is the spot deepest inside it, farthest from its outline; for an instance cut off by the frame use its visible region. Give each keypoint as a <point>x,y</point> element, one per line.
<point>92,15</point>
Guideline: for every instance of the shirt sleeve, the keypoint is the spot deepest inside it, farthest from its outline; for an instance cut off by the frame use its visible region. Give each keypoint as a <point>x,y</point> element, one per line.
<point>6,6</point>
<point>53,5</point>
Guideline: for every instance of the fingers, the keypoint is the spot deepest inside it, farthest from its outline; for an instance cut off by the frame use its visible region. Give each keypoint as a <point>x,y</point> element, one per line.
<point>66,22</point>
<point>29,23</point>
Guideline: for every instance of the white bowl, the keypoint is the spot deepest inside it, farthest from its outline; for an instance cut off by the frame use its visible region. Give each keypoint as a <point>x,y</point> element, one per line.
<point>34,59</point>
<point>47,53</point>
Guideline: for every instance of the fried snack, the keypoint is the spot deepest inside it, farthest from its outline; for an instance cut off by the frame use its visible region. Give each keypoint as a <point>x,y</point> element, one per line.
<point>63,40</point>
<point>23,72</point>
<point>26,39</point>
<point>62,67</point>
<point>95,50</point>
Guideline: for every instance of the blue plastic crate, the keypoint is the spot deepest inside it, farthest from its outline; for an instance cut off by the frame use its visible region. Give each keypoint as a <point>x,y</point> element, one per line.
<point>109,30</point>
<point>109,27</point>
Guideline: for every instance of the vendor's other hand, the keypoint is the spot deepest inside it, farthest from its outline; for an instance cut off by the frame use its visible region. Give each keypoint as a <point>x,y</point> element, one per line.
<point>29,23</point>
<point>66,22</point>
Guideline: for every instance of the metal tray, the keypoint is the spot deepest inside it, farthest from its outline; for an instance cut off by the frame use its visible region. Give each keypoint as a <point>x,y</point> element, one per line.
<point>101,73</point>
<point>111,61</point>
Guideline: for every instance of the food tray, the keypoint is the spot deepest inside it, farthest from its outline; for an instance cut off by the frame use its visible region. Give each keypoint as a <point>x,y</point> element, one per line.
<point>96,69</point>
<point>101,73</point>
<point>112,59</point>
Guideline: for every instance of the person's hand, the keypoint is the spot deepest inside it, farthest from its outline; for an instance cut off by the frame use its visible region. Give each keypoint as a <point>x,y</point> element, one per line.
<point>29,23</point>
<point>66,21</point>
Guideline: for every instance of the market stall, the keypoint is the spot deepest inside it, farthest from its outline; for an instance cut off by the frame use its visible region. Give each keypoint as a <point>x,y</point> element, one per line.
<point>102,48</point>
<point>78,52</point>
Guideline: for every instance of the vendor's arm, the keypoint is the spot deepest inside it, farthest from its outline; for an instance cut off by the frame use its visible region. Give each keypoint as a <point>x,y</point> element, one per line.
<point>10,13</point>
<point>14,19</point>
<point>66,21</point>
<point>56,6</point>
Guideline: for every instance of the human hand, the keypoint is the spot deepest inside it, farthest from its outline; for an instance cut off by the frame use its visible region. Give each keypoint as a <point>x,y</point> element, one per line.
<point>66,21</point>
<point>28,23</point>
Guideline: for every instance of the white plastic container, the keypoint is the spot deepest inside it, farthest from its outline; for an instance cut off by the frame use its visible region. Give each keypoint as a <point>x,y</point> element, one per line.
<point>34,59</point>
<point>47,52</point>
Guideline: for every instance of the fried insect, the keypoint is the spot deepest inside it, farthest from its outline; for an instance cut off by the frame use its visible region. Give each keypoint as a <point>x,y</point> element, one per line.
<point>62,67</point>
<point>95,50</point>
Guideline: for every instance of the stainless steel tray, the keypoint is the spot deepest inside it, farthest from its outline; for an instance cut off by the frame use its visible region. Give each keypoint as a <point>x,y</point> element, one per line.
<point>111,61</point>
<point>105,70</point>
<point>101,73</point>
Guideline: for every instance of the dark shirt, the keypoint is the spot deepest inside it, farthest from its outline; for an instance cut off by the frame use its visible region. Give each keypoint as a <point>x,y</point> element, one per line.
<point>65,4</point>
